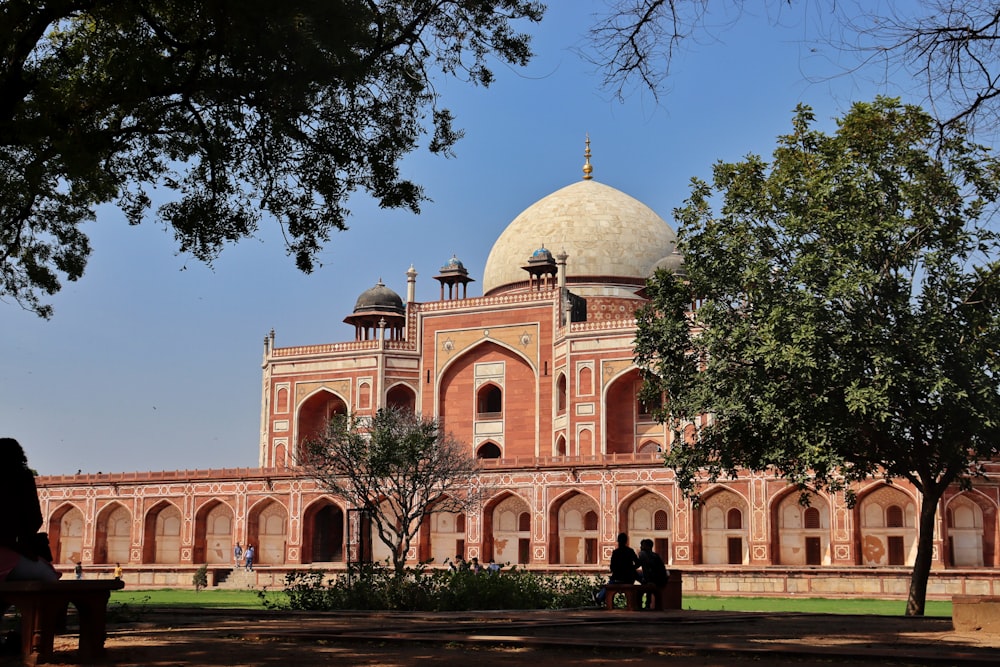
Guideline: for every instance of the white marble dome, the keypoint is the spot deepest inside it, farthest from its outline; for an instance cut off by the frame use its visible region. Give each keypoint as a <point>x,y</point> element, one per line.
<point>606,233</point>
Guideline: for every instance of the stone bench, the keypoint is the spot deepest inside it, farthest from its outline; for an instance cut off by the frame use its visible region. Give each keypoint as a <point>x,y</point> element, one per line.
<point>43,611</point>
<point>668,597</point>
<point>976,613</point>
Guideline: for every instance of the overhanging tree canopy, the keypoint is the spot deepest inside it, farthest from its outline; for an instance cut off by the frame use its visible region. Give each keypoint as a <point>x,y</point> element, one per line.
<point>230,110</point>
<point>848,315</point>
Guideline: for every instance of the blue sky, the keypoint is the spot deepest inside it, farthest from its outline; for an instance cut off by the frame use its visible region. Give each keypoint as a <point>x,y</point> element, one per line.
<point>152,360</point>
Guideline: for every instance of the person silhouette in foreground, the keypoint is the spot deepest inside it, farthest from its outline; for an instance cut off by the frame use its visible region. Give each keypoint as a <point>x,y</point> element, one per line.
<point>24,552</point>
<point>624,566</point>
<point>654,570</point>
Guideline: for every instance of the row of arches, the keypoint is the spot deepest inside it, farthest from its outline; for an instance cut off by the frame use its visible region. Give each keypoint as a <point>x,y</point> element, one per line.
<point>569,533</point>
<point>116,534</point>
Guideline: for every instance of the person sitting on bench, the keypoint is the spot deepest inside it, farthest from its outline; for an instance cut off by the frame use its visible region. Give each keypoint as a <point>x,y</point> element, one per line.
<point>654,571</point>
<point>624,566</point>
<point>24,552</point>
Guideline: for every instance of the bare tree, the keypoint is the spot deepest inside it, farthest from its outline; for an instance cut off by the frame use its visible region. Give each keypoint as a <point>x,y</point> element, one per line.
<point>397,466</point>
<point>949,48</point>
<point>636,40</point>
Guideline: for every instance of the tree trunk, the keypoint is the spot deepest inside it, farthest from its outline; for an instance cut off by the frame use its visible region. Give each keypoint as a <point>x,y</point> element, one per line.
<point>925,552</point>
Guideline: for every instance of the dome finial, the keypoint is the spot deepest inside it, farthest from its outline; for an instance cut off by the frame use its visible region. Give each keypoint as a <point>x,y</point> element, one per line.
<point>587,169</point>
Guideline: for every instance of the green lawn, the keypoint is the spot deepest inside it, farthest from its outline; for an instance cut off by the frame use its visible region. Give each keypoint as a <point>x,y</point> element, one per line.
<point>814,605</point>
<point>235,599</point>
<point>177,597</point>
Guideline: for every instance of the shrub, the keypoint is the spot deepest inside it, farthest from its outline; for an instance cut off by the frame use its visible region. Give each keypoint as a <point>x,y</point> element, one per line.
<point>200,578</point>
<point>377,587</point>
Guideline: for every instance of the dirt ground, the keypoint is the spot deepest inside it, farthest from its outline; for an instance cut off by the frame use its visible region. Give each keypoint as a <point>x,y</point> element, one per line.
<point>581,638</point>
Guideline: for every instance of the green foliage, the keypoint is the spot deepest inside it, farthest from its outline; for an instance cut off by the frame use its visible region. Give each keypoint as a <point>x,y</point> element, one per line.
<point>200,578</point>
<point>235,111</point>
<point>848,312</point>
<point>377,587</point>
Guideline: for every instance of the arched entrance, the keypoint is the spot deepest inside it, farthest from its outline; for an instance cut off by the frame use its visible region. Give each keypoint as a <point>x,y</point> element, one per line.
<point>323,533</point>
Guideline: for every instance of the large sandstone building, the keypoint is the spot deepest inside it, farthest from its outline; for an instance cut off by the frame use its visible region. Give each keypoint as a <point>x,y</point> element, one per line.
<point>537,376</point>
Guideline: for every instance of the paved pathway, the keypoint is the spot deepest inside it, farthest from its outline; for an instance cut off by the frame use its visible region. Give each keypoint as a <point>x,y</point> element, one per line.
<point>550,638</point>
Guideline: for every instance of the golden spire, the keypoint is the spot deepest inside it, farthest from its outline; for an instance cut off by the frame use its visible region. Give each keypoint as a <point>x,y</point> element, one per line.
<point>587,169</point>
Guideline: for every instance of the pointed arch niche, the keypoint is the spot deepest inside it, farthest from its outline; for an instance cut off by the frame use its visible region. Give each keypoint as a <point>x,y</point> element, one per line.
<point>113,536</point>
<point>313,415</point>
<point>507,528</point>
<point>574,519</point>
<point>267,524</point>
<point>162,534</point>
<point>323,532</point>
<point>489,392</point>
<point>442,536</point>
<point>647,515</point>
<point>803,534</point>
<point>620,412</point>
<point>970,526</point>
<point>401,396</point>
<point>66,534</point>
<point>723,519</point>
<point>885,521</point>
<point>213,533</point>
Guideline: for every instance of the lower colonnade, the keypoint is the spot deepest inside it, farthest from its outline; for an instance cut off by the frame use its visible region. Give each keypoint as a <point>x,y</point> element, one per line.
<point>748,535</point>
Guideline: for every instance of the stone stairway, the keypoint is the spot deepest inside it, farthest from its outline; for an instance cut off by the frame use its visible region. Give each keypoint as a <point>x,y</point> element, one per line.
<point>236,579</point>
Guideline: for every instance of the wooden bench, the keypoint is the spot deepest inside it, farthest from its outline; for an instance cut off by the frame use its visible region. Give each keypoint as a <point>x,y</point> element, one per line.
<point>43,610</point>
<point>668,597</point>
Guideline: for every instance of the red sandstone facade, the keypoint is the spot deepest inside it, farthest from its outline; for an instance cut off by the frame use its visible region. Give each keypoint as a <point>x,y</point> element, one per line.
<point>537,377</point>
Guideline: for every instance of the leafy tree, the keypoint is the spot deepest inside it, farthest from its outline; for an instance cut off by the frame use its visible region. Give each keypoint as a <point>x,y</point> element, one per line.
<point>397,466</point>
<point>230,110</point>
<point>948,46</point>
<point>848,314</point>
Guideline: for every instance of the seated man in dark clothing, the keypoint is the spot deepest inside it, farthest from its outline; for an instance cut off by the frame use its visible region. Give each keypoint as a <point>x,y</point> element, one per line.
<point>624,564</point>
<point>654,571</point>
